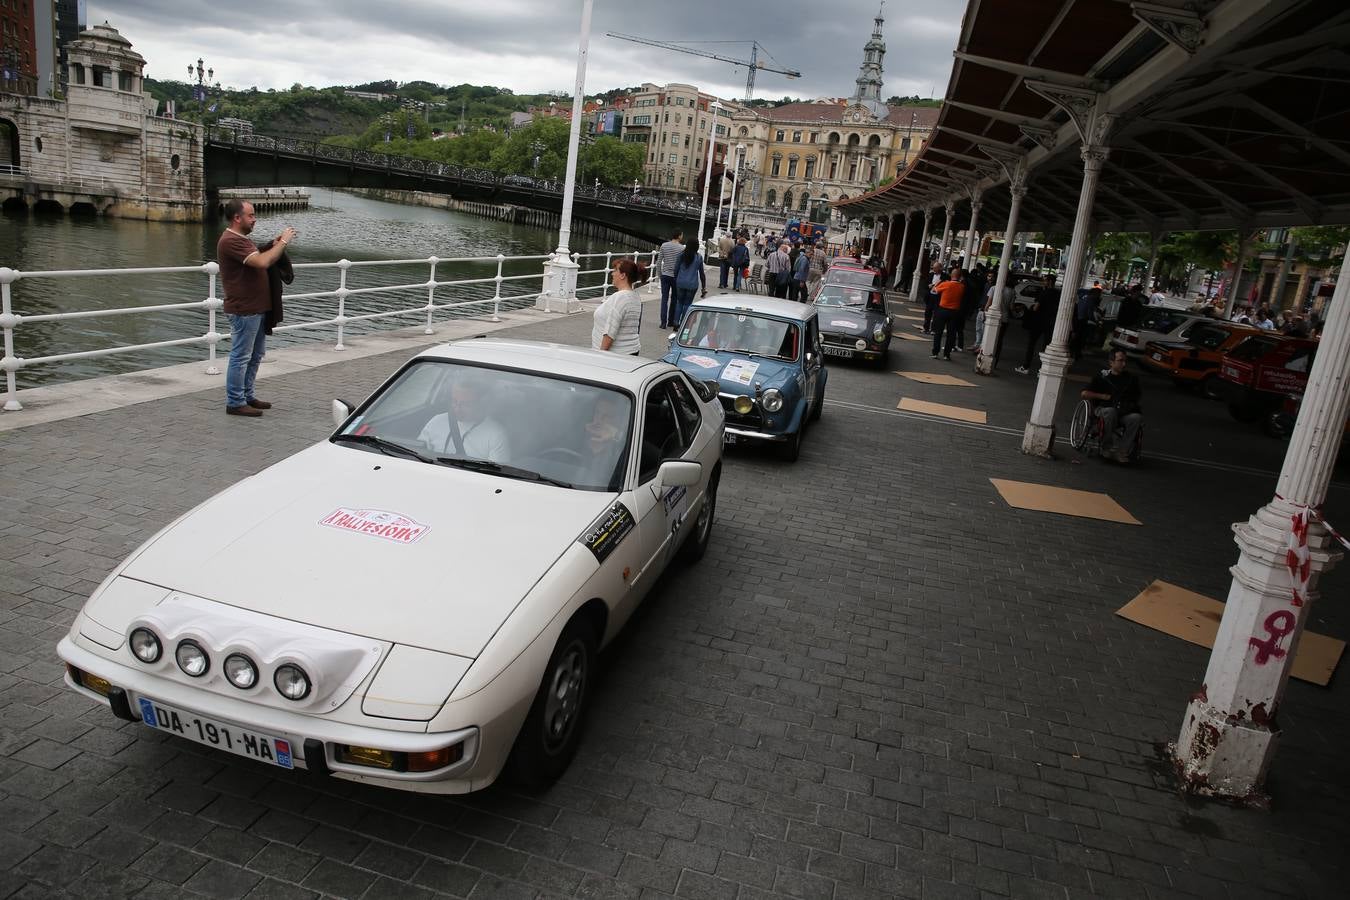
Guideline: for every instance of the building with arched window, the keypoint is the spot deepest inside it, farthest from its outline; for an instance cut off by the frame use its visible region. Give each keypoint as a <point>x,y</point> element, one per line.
<point>829,148</point>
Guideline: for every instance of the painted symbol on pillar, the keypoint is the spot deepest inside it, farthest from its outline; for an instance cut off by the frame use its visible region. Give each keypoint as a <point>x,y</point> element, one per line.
<point>1277,625</point>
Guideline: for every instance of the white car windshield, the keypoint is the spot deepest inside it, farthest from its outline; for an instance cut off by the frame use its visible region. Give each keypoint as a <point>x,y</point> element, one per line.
<point>740,332</point>
<point>514,424</point>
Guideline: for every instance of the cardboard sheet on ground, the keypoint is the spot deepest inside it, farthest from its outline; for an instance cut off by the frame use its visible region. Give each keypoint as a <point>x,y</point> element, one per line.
<point>1195,618</point>
<point>1044,498</point>
<point>935,378</point>
<point>941,409</point>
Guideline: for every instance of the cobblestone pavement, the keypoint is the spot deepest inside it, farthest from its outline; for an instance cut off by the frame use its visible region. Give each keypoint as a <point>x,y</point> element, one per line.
<point>880,682</point>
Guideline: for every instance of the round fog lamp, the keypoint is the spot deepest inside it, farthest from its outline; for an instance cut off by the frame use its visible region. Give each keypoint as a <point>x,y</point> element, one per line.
<point>772,400</point>
<point>743,405</point>
<point>192,659</point>
<point>145,646</point>
<point>241,672</point>
<point>860,344</point>
<point>291,682</point>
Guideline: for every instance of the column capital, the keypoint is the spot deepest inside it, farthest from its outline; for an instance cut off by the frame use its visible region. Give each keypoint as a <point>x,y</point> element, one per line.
<point>1094,155</point>
<point>1018,188</point>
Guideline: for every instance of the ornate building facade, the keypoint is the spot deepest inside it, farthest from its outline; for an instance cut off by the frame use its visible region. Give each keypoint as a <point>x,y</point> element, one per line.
<point>797,157</point>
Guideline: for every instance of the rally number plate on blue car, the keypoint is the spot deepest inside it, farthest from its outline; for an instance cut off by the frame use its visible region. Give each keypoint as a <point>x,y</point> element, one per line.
<point>214,733</point>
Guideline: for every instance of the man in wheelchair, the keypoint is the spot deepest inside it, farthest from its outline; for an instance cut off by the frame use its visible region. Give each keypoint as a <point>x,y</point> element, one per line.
<point>1114,395</point>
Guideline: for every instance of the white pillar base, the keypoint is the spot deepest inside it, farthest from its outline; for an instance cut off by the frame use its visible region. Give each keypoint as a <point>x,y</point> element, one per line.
<point>1039,437</point>
<point>1230,732</point>
<point>1219,756</point>
<point>560,286</point>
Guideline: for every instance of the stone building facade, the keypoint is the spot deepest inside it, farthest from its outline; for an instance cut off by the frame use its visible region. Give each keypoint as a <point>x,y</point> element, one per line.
<point>795,157</point>
<point>102,147</point>
<point>672,121</point>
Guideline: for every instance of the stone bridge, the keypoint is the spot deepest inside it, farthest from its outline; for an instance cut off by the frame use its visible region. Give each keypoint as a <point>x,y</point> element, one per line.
<point>253,160</point>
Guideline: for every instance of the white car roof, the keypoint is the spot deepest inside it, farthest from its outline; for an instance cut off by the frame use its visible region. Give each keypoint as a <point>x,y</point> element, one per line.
<point>786,309</point>
<point>555,359</point>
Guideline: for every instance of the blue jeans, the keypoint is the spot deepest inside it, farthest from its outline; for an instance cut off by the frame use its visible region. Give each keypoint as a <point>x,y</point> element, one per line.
<point>736,277</point>
<point>667,286</point>
<point>684,298</point>
<point>248,342</point>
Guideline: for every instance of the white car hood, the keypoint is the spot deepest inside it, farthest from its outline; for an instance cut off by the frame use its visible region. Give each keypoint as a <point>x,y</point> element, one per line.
<point>263,545</point>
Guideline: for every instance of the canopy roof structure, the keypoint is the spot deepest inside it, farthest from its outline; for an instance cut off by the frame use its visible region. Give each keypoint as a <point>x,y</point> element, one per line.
<point>1225,113</point>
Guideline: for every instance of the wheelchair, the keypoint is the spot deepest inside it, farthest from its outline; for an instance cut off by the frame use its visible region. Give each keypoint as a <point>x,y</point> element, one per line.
<point>1086,428</point>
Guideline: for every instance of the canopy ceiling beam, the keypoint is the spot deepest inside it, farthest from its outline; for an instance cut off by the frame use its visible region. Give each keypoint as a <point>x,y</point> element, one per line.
<point>1238,209</point>
<point>977,138</point>
<point>1024,71</point>
<point>1302,200</point>
<point>1141,184</point>
<point>999,115</point>
<point>1292,127</point>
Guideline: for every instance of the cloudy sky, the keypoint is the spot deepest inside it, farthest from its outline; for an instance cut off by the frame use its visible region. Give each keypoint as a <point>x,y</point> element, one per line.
<point>530,46</point>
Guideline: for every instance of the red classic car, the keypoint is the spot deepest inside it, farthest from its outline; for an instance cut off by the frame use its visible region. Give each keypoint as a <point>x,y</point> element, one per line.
<point>1258,374</point>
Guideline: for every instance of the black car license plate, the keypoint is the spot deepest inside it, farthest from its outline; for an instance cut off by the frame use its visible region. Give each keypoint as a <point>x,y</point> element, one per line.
<point>214,733</point>
<point>836,351</point>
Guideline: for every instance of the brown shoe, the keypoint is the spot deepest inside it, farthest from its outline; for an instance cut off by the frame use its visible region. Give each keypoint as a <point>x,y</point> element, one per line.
<point>259,404</point>
<point>243,411</point>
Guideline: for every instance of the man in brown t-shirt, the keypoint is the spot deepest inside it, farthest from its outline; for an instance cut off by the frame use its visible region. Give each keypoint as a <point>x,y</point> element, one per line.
<point>243,274</point>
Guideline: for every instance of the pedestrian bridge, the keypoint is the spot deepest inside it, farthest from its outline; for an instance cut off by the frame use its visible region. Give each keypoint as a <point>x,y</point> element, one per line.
<point>255,160</point>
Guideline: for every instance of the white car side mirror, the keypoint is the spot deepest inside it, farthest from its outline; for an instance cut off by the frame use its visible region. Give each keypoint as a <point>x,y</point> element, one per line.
<point>341,411</point>
<point>678,473</point>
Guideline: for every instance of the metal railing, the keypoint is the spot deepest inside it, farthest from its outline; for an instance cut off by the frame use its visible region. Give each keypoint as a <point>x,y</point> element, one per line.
<point>411,165</point>
<point>339,300</point>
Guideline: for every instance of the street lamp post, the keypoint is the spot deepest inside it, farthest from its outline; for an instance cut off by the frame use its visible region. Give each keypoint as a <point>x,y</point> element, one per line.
<point>204,77</point>
<point>735,180</point>
<point>909,132</point>
<point>538,147</point>
<point>707,169</point>
<point>560,272</point>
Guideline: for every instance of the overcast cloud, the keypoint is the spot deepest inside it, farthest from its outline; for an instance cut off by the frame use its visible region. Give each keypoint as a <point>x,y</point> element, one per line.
<point>530,46</point>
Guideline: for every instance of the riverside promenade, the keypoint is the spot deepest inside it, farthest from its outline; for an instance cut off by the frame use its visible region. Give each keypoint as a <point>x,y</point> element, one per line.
<point>881,681</point>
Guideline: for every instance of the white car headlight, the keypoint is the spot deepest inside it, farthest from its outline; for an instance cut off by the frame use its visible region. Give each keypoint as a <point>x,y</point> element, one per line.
<point>772,400</point>
<point>192,659</point>
<point>879,333</point>
<point>145,645</point>
<point>240,671</point>
<point>291,682</point>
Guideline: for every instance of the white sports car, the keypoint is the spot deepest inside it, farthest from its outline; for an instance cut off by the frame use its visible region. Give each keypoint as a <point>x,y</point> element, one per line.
<point>419,598</point>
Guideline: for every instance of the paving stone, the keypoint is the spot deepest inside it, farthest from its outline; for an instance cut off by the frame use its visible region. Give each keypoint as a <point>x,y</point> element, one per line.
<point>815,709</point>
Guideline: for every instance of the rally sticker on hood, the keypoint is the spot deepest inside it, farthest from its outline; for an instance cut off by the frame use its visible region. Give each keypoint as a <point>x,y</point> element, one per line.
<point>842,323</point>
<point>703,362</point>
<point>376,522</point>
<point>740,371</point>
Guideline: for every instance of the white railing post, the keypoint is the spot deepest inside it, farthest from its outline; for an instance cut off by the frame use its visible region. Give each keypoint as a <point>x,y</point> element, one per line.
<point>343,264</point>
<point>497,293</point>
<point>212,304</point>
<point>8,321</point>
<point>609,266</point>
<point>431,295</point>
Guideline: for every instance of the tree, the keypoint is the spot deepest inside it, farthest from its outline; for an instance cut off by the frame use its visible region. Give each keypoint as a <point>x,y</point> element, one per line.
<point>1321,245</point>
<point>474,148</point>
<point>612,161</point>
<point>545,137</point>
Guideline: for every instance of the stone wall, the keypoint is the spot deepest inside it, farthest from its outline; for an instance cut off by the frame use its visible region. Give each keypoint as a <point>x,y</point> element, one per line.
<point>138,168</point>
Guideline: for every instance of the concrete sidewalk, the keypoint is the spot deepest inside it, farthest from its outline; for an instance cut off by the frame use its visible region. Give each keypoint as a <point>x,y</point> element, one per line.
<point>880,682</point>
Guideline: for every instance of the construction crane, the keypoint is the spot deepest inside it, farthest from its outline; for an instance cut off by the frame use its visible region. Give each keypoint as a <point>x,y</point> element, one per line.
<point>752,65</point>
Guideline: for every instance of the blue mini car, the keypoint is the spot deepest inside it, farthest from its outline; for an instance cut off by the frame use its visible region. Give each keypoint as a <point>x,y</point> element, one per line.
<point>764,354</point>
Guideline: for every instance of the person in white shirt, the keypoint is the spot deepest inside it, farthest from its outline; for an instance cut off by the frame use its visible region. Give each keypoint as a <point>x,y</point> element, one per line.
<point>475,435</point>
<point>618,320</point>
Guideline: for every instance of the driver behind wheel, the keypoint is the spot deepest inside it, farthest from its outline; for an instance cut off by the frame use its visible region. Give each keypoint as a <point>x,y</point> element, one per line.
<point>467,430</point>
<point>606,434</point>
<point>1115,394</point>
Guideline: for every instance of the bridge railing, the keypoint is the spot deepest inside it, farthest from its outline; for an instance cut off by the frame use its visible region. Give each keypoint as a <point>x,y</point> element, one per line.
<point>304,148</point>
<point>363,294</point>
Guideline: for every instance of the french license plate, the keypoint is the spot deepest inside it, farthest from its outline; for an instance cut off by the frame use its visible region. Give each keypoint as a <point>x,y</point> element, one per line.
<point>836,351</point>
<point>213,733</point>
<point>730,438</point>
<point>1230,372</point>
<point>1158,357</point>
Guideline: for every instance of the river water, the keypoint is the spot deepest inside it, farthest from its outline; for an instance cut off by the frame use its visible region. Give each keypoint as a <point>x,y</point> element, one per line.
<point>336,226</point>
